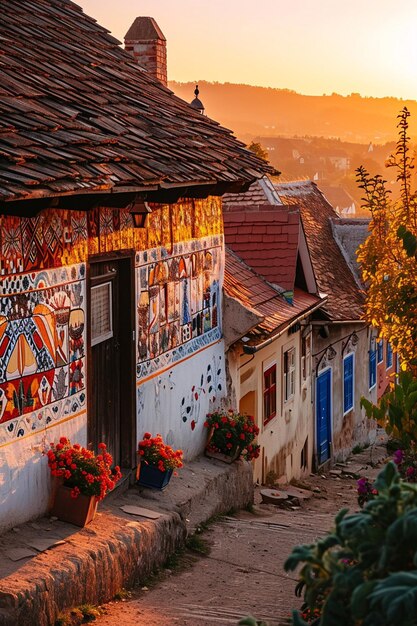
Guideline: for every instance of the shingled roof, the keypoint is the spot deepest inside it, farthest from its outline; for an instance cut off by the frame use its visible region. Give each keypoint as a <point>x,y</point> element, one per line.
<point>266,237</point>
<point>78,115</point>
<point>255,293</point>
<point>333,274</point>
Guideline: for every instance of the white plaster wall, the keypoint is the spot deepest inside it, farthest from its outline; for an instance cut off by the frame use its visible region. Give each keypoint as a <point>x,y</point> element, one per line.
<point>25,478</point>
<point>283,437</point>
<point>174,402</point>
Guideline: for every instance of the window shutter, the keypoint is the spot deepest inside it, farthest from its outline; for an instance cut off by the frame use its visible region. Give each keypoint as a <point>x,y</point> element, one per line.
<point>348,382</point>
<point>372,368</point>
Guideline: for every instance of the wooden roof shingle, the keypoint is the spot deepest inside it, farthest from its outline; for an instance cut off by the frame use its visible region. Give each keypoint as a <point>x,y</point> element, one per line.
<point>333,274</point>
<point>71,100</point>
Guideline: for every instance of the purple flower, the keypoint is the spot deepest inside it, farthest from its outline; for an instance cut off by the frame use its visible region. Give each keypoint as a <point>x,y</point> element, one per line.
<point>398,457</point>
<point>410,472</point>
<point>363,486</point>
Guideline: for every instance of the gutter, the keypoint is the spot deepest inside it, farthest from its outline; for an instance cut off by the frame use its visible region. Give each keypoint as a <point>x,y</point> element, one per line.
<point>322,322</point>
<point>267,342</point>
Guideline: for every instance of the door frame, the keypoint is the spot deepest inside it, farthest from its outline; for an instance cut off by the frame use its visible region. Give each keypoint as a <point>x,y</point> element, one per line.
<point>330,417</point>
<point>127,320</point>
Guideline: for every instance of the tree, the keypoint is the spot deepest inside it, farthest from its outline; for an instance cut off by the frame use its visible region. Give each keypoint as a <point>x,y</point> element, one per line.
<point>261,153</point>
<point>388,257</point>
<point>257,149</point>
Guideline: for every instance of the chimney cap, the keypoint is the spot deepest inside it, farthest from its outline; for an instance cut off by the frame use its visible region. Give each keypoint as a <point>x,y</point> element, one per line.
<point>196,103</point>
<point>144,28</point>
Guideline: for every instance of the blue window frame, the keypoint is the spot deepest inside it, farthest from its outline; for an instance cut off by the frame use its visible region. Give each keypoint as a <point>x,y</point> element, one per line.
<point>389,355</point>
<point>348,382</point>
<point>372,365</point>
<point>380,351</point>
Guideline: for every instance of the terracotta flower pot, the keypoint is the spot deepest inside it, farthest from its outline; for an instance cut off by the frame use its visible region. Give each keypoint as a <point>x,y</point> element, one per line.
<point>79,511</point>
<point>150,476</point>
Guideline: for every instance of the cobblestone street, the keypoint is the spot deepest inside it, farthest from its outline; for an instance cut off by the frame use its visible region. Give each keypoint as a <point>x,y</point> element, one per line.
<point>243,573</point>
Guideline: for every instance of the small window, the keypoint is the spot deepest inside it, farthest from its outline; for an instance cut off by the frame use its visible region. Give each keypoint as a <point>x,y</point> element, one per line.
<point>101,313</point>
<point>305,357</point>
<point>380,350</point>
<point>289,374</point>
<point>389,355</point>
<point>372,365</point>
<point>348,382</point>
<point>270,393</point>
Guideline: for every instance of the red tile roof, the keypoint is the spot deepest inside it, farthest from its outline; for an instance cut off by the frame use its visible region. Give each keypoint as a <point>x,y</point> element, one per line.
<point>333,274</point>
<point>266,238</point>
<point>261,192</point>
<point>245,285</point>
<point>78,115</point>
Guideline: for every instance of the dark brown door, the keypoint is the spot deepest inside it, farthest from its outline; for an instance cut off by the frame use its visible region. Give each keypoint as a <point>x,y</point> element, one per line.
<point>111,386</point>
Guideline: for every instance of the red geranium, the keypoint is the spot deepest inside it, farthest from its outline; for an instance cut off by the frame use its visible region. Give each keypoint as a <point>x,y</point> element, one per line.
<point>232,432</point>
<point>82,470</point>
<point>153,451</point>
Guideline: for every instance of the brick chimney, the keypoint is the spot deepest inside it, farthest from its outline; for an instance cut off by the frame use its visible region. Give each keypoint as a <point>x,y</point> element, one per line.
<point>146,43</point>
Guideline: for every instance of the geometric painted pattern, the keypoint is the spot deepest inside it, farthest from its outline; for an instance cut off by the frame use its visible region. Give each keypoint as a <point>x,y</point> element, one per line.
<point>42,347</point>
<point>178,301</point>
<point>43,299</point>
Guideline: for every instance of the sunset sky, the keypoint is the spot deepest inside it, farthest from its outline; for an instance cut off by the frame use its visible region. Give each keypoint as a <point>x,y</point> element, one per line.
<point>311,46</point>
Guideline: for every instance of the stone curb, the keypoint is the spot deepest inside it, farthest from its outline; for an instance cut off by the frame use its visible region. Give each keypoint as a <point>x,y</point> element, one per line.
<point>118,550</point>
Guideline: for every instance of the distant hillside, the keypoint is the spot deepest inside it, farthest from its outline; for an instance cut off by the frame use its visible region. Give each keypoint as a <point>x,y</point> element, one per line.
<point>259,111</point>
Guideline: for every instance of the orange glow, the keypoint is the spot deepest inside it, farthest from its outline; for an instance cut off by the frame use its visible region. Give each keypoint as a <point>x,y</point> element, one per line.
<point>311,46</point>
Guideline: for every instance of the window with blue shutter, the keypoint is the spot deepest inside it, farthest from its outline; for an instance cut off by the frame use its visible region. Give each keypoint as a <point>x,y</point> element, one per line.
<point>348,382</point>
<point>389,355</point>
<point>372,367</point>
<point>380,350</point>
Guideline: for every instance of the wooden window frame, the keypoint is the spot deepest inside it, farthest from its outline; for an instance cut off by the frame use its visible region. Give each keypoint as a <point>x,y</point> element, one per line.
<point>269,393</point>
<point>289,370</point>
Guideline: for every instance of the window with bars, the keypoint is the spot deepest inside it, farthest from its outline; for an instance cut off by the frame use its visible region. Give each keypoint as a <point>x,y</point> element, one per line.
<point>101,313</point>
<point>348,382</point>
<point>270,393</point>
<point>289,374</point>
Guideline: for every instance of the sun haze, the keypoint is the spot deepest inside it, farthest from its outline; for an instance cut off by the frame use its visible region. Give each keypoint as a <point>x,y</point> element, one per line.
<point>311,46</point>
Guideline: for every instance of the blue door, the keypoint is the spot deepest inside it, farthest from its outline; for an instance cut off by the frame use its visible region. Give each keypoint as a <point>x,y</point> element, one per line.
<point>323,412</point>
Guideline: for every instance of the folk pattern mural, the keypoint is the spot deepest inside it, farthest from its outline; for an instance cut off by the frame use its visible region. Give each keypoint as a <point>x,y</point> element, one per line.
<point>178,301</point>
<point>42,299</point>
<point>42,348</point>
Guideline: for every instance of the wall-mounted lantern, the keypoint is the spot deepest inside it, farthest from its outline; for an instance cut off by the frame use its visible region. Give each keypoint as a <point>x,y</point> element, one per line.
<point>139,213</point>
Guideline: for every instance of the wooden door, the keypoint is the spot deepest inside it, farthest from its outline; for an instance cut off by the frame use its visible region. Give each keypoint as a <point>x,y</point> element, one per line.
<point>111,366</point>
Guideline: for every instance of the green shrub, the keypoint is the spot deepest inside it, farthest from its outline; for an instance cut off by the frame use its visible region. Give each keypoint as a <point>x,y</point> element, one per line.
<point>364,573</point>
<point>397,410</point>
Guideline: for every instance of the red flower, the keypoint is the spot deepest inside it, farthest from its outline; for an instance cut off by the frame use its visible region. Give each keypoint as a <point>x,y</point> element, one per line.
<point>228,426</point>
<point>81,469</point>
<point>153,451</point>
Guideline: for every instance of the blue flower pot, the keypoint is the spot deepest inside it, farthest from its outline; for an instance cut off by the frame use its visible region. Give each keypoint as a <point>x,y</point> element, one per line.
<point>151,476</point>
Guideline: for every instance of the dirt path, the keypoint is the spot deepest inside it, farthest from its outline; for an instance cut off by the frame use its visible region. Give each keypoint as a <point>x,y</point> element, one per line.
<point>243,573</point>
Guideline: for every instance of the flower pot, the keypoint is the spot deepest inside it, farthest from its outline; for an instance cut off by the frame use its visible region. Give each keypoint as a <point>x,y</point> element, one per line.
<point>79,511</point>
<point>150,476</point>
<point>221,456</point>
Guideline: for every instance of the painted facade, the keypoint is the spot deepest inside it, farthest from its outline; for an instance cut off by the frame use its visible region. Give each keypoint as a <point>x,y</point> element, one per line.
<point>44,318</point>
<point>286,439</point>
